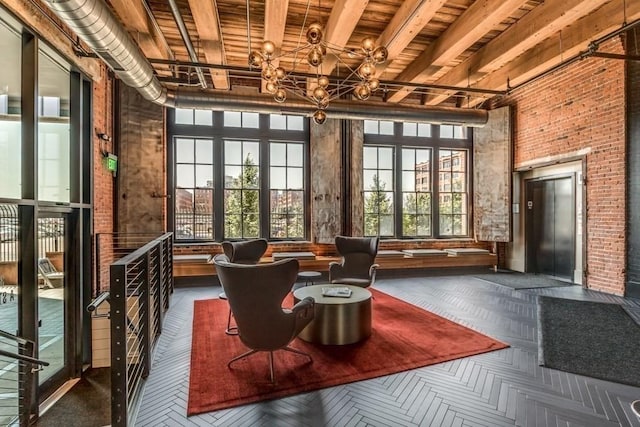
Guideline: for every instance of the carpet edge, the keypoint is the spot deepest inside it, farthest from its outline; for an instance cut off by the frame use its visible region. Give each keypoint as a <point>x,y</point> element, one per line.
<point>193,410</point>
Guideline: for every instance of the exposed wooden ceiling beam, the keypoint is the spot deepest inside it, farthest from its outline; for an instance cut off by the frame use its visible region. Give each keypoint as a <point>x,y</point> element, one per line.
<point>481,17</point>
<point>134,16</point>
<point>406,24</point>
<point>536,26</point>
<point>575,39</point>
<point>205,16</point>
<point>275,21</point>
<point>342,21</point>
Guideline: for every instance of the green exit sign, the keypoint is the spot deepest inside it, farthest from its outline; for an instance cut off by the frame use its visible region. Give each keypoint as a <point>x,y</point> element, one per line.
<point>111,162</point>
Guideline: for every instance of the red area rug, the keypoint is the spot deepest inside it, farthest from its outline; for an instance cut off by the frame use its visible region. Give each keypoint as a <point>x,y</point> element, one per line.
<point>403,337</point>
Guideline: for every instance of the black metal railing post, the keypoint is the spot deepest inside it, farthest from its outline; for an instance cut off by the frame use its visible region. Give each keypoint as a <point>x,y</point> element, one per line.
<point>118,302</point>
<point>159,285</point>
<point>145,317</point>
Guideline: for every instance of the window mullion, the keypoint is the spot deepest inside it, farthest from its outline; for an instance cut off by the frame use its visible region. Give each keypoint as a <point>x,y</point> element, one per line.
<point>435,202</point>
<point>265,193</point>
<point>218,187</point>
<point>397,190</point>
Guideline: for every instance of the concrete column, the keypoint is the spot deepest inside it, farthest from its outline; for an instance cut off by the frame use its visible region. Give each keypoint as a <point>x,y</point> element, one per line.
<point>355,169</point>
<point>326,178</point>
<point>141,164</point>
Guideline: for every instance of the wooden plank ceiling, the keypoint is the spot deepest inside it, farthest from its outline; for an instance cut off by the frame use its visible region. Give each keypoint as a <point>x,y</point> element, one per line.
<point>437,48</point>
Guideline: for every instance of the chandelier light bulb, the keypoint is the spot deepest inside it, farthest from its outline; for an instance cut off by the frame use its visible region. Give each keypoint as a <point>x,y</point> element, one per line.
<point>368,44</point>
<point>366,70</point>
<point>323,81</point>
<point>319,93</point>
<point>268,48</point>
<point>271,86</point>
<point>255,59</point>
<point>269,72</point>
<point>362,92</point>
<point>319,117</point>
<point>380,54</point>
<point>314,33</point>
<point>315,57</point>
<point>280,95</point>
<point>280,73</point>
<point>373,84</point>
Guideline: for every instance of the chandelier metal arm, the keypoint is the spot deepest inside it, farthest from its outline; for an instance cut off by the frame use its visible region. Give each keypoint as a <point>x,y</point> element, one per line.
<point>248,71</point>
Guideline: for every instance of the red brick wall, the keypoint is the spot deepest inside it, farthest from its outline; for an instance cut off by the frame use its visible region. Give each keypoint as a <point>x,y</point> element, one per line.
<point>582,107</point>
<point>102,179</point>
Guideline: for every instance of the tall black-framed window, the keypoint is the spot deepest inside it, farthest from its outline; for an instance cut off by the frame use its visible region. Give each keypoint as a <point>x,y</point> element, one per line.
<point>238,175</point>
<point>417,180</point>
<point>286,189</point>
<point>194,170</point>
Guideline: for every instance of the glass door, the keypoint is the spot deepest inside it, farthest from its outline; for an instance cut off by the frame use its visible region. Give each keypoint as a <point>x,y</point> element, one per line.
<point>51,300</point>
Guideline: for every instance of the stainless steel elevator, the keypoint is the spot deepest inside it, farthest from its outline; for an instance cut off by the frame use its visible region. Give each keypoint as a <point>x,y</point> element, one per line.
<point>551,227</point>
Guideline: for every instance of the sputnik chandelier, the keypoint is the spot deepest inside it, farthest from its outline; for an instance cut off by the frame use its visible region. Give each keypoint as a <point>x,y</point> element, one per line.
<point>361,81</point>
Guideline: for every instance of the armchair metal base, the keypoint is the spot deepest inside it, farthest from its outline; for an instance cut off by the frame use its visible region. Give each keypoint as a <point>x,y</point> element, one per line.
<point>231,330</point>
<point>271,374</point>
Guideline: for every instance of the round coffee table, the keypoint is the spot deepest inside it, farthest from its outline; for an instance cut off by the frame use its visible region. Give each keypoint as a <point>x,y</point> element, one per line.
<point>337,320</point>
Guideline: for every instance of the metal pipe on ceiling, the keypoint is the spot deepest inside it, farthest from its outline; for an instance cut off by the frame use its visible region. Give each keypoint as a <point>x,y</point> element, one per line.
<point>100,29</point>
<point>338,109</point>
<point>186,39</point>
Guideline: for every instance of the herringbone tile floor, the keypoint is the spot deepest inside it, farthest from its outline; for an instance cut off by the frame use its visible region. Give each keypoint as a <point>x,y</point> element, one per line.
<point>502,388</point>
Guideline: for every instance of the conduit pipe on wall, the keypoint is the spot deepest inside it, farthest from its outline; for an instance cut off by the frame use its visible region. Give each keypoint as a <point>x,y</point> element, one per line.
<point>98,27</point>
<point>182,28</point>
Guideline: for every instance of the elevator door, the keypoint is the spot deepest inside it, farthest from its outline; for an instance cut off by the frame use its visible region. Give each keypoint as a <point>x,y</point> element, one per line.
<point>551,227</point>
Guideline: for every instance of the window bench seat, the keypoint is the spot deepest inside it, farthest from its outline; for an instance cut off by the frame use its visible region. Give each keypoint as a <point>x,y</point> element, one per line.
<point>200,265</point>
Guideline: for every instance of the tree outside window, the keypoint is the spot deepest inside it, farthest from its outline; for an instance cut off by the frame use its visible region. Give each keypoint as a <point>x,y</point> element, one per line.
<point>242,190</point>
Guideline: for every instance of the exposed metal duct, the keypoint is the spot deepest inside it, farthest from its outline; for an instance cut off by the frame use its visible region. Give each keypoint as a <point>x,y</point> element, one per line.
<point>339,109</point>
<point>98,27</point>
<point>95,24</point>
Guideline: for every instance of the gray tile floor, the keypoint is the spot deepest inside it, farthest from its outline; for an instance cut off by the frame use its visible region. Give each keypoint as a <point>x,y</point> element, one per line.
<point>502,388</point>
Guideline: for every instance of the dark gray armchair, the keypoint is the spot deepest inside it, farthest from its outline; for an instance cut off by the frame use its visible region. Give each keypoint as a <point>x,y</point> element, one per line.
<point>242,252</point>
<point>246,251</point>
<point>255,294</point>
<point>358,267</point>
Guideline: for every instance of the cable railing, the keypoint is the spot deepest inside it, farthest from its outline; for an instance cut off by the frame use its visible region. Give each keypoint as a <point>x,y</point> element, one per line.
<point>17,368</point>
<point>140,285</point>
<point>110,247</point>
